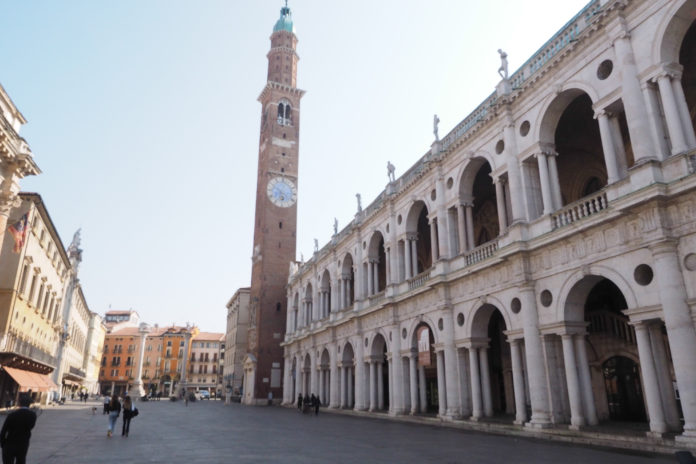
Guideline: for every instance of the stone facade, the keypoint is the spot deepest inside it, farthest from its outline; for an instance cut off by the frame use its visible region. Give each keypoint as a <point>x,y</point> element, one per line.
<point>538,261</point>
<point>236,341</point>
<point>204,363</point>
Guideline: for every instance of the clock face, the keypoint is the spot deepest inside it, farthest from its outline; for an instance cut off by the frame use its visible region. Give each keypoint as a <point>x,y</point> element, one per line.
<point>282,192</point>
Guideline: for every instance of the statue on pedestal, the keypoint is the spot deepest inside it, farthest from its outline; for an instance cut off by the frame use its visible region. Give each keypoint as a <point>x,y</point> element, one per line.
<point>390,171</point>
<point>357,195</point>
<point>503,70</point>
<point>436,122</point>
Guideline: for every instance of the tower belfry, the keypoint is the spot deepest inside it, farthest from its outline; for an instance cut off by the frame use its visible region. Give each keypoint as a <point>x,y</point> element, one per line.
<point>275,223</point>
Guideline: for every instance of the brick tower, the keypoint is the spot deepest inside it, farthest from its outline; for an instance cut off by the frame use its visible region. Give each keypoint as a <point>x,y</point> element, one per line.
<point>275,223</point>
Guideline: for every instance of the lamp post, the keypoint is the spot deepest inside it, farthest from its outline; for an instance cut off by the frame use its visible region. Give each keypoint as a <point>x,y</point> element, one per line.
<point>138,390</point>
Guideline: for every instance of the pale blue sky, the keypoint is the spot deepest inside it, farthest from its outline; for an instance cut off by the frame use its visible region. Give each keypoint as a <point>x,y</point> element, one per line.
<point>143,117</point>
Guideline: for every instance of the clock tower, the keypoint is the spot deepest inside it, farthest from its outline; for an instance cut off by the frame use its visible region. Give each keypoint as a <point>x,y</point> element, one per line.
<point>275,223</point>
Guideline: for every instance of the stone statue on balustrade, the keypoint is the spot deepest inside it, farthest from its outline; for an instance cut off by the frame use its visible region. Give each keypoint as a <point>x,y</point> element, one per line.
<point>503,69</point>
<point>390,171</point>
<point>357,196</point>
<point>436,123</point>
<point>335,226</point>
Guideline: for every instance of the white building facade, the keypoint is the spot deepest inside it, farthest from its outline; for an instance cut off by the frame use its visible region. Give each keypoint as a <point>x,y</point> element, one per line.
<point>540,260</point>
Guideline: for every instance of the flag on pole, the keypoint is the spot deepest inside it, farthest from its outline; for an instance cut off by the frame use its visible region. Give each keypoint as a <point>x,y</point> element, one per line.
<point>19,232</point>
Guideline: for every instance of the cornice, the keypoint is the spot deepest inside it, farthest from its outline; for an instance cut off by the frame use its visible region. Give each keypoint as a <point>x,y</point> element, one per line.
<point>270,86</point>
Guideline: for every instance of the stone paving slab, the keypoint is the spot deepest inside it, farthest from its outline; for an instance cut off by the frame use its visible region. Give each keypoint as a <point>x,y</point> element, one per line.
<point>210,432</point>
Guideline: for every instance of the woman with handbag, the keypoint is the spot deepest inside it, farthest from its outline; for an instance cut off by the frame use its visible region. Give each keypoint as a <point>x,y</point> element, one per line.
<point>114,411</point>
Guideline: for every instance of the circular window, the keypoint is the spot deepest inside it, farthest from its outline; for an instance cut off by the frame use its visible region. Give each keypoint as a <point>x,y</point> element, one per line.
<point>516,305</point>
<point>604,69</point>
<point>365,341</point>
<point>690,262</point>
<point>460,319</point>
<point>398,220</point>
<point>524,128</point>
<point>433,195</point>
<point>403,333</point>
<point>546,298</point>
<point>643,274</point>
<point>450,183</point>
<point>440,324</point>
<point>499,147</point>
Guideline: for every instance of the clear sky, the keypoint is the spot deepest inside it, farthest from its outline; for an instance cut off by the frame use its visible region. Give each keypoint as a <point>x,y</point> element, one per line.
<point>144,120</point>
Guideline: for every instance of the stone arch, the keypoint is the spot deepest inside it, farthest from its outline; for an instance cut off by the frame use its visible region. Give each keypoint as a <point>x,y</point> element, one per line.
<point>377,263</point>
<point>418,230</point>
<point>348,353</point>
<point>377,341</point>
<point>671,31</point>
<point>295,309</point>
<point>325,359</point>
<point>554,106</point>
<point>413,325</point>
<point>469,171</point>
<point>573,292</point>
<point>570,153</point>
<point>479,314</point>
<point>347,281</point>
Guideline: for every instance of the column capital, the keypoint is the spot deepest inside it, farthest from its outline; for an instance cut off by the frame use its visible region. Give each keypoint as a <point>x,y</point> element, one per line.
<point>601,113</point>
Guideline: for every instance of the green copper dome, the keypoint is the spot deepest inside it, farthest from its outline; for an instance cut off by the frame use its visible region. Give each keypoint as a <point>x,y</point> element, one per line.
<point>285,21</point>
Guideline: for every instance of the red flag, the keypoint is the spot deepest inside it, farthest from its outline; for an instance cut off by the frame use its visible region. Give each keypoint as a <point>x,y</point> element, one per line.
<point>19,232</point>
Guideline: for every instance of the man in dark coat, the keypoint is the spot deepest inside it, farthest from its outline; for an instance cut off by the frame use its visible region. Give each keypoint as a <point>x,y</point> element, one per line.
<point>16,431</point>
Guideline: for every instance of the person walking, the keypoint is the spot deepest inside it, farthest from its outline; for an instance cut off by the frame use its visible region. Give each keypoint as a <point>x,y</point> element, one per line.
<point>128,409</point>
<point>16,432</point>
<point>114,411</point>
<point>299,402</point>
<point>317,403</point>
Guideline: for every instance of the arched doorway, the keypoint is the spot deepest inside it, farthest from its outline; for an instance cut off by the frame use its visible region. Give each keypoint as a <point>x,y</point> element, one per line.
<point>324,392</point>
<point>418,252</point>
<point>376,265</point>
<point>581,168</point>
<point>293,376</point>
<point>306,375</point>
<point>624,393</point>
<point>378,396</point>
<point>485,209</point>
<point>325,294</point>
<point>490,365</point>
<point>347,381</point>
<point>425,397</point>
<point>347,282</point>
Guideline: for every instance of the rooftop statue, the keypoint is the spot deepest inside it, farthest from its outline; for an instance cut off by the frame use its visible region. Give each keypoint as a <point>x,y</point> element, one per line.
<point>503,70</point>
<point>436,122</point>
<point>390,171</point>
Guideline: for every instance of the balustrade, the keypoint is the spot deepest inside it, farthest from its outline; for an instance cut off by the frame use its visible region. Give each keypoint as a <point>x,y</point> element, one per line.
<point>580,209</point>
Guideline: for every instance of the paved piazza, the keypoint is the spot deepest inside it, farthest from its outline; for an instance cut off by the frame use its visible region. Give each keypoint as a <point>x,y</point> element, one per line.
<point>209,432</point>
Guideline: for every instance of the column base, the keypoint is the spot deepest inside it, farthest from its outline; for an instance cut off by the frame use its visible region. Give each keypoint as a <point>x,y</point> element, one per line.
<point>688,438</point>
<point>577,428</point>
<point>538,425</point>
<point>651,434</point>
<point>397,412</point>
<point>476,418</point>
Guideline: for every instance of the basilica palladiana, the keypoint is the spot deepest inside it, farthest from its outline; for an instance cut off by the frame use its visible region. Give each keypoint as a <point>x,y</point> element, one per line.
<point>537,266</point>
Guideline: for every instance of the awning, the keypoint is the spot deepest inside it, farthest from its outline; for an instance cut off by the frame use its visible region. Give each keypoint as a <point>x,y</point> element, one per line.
<point>30,380</point>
